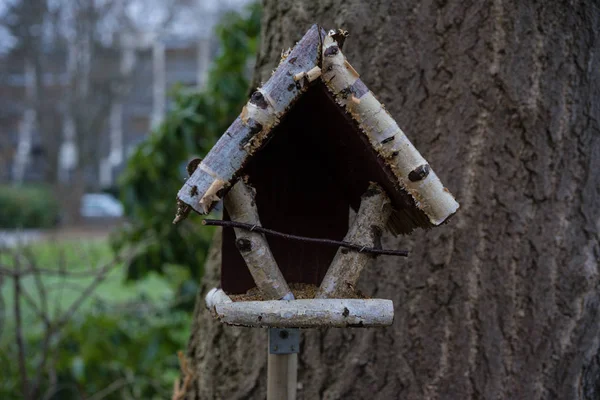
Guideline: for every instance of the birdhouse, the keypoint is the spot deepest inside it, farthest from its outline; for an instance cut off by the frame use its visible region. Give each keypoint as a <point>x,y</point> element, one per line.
<point>310,145</point>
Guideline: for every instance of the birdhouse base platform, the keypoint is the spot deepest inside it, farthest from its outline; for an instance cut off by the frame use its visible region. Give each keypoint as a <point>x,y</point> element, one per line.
<point>304,313</point>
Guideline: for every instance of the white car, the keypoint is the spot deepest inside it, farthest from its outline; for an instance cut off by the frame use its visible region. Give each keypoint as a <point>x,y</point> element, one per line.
<point>94,205</point>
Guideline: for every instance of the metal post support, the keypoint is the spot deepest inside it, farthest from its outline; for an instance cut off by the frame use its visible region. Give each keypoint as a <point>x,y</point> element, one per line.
<point>282,370</point>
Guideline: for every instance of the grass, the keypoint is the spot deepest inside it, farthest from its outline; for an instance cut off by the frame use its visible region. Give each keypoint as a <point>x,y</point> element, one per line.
<point>125,332</point>
<point>62,292</point>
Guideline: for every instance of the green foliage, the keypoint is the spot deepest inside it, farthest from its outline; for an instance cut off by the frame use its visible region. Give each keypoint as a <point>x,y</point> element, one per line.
<point>156,170</point>
<point>123,340</point>
<point>27,207</point>
<point>137,350</point>
<point>125,336</point>
<point>81,256</point>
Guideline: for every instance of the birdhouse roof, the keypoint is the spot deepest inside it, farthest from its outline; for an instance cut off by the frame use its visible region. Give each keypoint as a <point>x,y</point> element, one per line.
<point>366,143</point>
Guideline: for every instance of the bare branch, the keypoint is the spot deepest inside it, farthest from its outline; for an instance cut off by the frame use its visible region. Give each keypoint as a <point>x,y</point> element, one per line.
<point>48,334</point>
<point>19,335</point>
<point>53,391</point>
<point>11,272</point>
<point>181,388</point>
<point>40,287</point>
<point>2,308</point>
<point>110,389</point>
<point>60,322</point>
<point>99,278</point>
<point>327,242</point>
<point>34,306</point>
<point>62,266</point>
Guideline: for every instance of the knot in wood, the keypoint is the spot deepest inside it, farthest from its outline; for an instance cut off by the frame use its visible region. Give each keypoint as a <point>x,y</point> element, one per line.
<point>419,173</point>
<point>376,233</point>
<point>373,190</point>
<point>258,99</point>
<point>331,51</point>
<point>339,35</point>
<point>254,125</point>
<point>193,165</point>
<point>244,245</point>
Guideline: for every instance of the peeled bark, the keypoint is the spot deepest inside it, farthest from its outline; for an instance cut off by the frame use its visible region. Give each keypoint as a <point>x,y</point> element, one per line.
<point>501,97</point>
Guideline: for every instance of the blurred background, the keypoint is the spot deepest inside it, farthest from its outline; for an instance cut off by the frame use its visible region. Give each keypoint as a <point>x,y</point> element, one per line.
<point>102,104</point>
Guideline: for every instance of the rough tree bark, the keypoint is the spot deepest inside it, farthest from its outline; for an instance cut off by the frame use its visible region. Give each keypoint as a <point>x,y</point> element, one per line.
<point>502,97</point>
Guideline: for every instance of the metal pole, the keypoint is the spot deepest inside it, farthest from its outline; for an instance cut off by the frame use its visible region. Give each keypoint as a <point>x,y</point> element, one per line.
<point>282,367</point>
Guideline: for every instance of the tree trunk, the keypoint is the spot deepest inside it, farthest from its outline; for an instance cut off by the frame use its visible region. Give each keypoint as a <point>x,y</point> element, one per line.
<point>502,97</point>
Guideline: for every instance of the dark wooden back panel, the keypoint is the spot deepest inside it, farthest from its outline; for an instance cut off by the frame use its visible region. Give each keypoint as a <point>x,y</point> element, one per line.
<point>297,193</point>
<point>316,166</point>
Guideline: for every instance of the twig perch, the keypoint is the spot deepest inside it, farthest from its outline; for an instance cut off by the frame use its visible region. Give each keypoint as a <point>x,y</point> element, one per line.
<point>253,246</point>
<point>308,313</point>
<point>345,269</point>
<point>327,242</point>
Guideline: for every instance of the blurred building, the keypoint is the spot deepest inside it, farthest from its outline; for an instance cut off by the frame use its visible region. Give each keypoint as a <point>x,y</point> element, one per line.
<point>156,65</point>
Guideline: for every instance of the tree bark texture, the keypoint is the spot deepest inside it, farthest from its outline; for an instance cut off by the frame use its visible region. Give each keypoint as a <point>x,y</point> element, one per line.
<point>502,98</point>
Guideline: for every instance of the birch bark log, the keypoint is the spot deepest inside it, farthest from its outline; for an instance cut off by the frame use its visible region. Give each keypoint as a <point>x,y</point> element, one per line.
<point>253,246</point>
<point>345,269</point>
